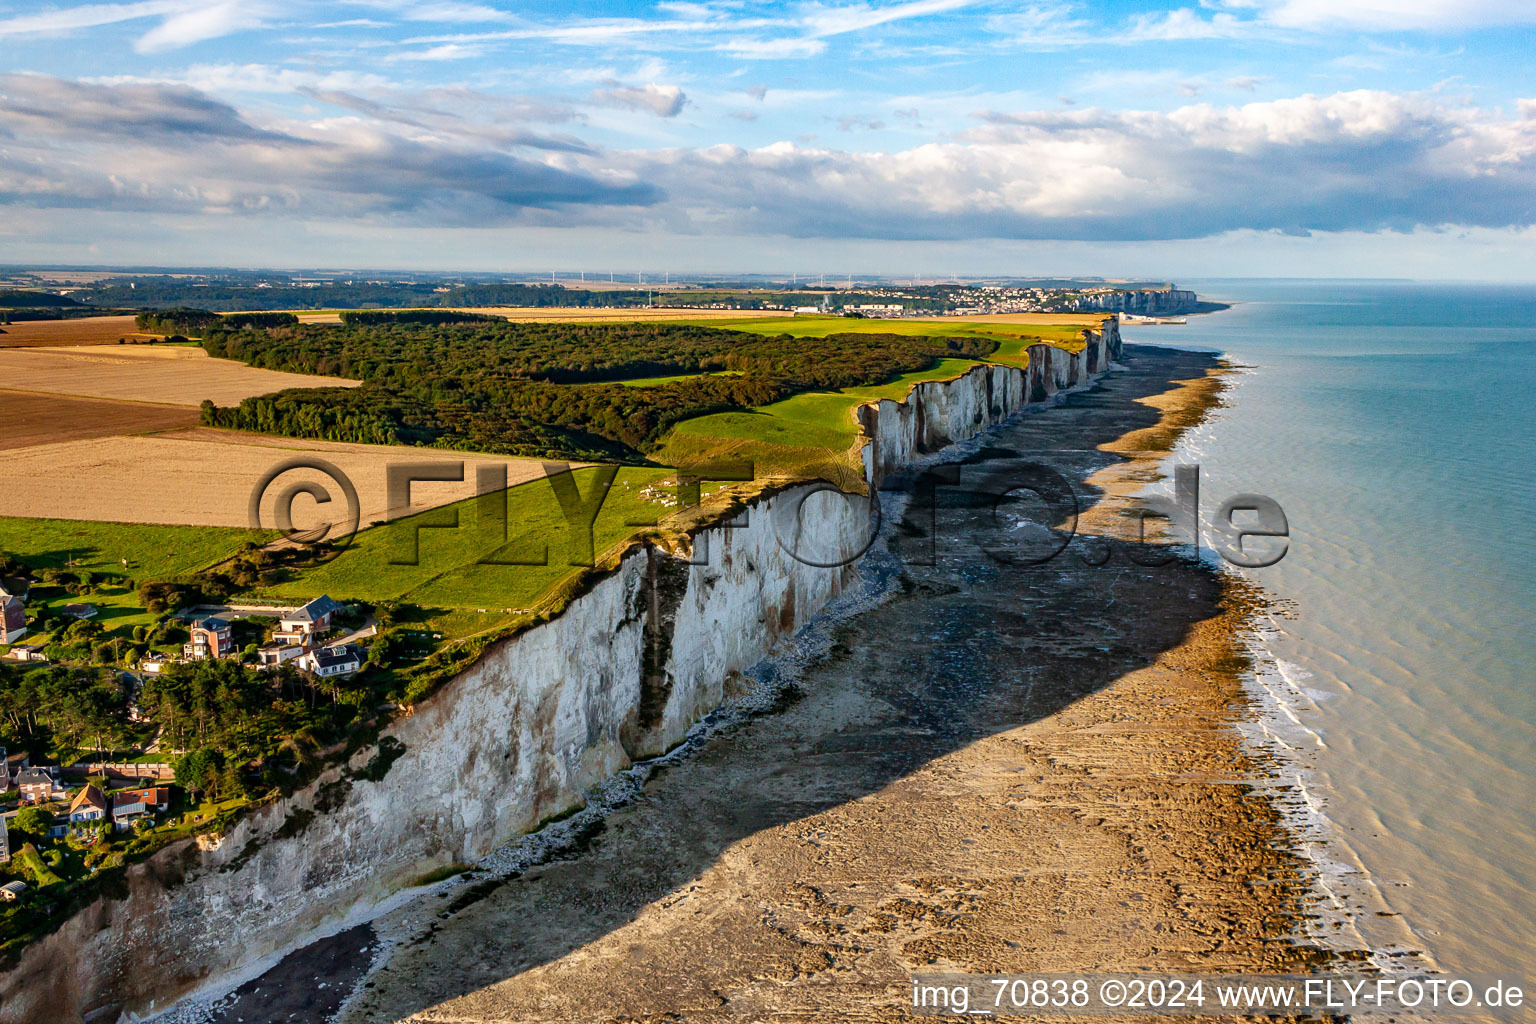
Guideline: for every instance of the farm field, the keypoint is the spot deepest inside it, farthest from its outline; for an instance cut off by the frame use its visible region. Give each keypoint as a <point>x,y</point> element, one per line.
<point>89,330</point>
<point>204,477</point>
<point>162,374</point>
<point>1061,329</point>
<point>152,552</point>
<point>33,419</point>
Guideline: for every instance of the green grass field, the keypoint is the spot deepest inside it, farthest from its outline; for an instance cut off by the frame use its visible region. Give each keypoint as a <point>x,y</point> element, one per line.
<point>821,423</point>
<point>152,552</point>
<point>896,390</point>
<point>805,326</point>
<point>466,568</point>
<point>650,382</point>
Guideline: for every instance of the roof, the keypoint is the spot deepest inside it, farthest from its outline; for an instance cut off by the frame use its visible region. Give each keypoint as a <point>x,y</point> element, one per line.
<point>14,888</point>
<point>34,777</point>
<point>327,657</point>
<point>321,605</point>
<point>127,798</point>
<point>90,796</point>
<point>210,623</point>
<point>80,611</point>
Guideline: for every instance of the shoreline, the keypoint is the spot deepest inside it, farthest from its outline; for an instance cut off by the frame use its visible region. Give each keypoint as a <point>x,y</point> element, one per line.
<point>1154,753</point>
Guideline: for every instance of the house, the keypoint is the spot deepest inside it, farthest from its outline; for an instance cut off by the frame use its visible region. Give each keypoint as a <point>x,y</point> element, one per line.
<point>80,611</point>
<point>12,891</point>
<point>273,655</point>
<point>154,664</point>
<point>13,617</point>
<point>39,785</point>
<point>136,803</point>
<point>88,805</point>
<point>211,638</point>
<point>5,842</point>
<point>341,660</point>
<point>26,652</point>
<point>302,625</point>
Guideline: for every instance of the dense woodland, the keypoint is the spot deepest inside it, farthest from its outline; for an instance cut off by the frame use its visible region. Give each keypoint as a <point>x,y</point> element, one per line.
<point>505,387</point>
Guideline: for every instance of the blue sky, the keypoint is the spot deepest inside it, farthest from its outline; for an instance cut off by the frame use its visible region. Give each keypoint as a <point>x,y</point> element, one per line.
<point>1241,137</point>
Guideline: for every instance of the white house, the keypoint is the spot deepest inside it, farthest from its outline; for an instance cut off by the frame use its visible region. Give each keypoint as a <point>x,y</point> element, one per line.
<point>274,654</point>
<point>301,625</point>
<point>341,660</point>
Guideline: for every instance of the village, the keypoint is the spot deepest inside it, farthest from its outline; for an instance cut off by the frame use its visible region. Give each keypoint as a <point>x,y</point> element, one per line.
<point>63,818</point>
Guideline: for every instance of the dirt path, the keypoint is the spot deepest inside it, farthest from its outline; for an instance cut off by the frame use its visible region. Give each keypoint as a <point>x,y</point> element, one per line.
<point>1002,768</point>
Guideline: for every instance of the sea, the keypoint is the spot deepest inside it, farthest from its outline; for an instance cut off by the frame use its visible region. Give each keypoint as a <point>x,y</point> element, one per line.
<point>1395,424</point>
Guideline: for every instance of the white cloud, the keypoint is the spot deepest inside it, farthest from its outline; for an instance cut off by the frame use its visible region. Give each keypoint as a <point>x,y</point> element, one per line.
<point>205,22</point>
<point>819,20</point>
<point>773,49</point>
<point>69,19</point>
<point>444,51</point>
<point>1355,161</point>
<point>1394,15</point>
<point>1185,24</point>
<point>661,100</point>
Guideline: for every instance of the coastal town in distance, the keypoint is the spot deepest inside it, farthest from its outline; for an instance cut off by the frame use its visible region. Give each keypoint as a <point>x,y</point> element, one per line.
<point>720,512</point>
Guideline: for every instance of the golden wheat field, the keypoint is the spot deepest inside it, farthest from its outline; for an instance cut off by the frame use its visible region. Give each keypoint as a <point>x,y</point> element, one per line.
<point>90,330</point>
<point>205,477</point>
<point>163,374</point>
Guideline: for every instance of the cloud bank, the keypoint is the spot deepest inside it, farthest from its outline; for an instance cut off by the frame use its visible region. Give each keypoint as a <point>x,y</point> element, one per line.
<point>1352,161</point>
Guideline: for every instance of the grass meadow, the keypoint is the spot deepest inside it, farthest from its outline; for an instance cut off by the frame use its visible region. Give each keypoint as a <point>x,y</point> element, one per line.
<point>152,552</point>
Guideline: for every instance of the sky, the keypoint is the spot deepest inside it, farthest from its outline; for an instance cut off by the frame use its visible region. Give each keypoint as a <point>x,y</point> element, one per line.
<point>1301,138</point>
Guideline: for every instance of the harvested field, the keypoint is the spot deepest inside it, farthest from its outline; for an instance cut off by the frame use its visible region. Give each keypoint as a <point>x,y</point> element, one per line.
<point>205,477</point>
<point>162,374</point>
<point>33,419</point>
<point>90,330</point>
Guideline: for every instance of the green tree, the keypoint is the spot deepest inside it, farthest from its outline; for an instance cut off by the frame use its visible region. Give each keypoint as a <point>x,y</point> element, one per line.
<point>198,770</point>
<point>34,821</point>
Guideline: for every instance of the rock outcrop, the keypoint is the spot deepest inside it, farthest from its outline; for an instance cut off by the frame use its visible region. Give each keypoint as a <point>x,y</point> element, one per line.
<point>620,674</point>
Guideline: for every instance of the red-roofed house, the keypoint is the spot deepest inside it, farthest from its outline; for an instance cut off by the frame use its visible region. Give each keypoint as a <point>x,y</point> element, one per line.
<point>135,803</point>
<point>88,805</point>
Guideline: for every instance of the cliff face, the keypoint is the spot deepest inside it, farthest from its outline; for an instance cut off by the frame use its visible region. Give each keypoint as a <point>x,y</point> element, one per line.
<point>621,674</point>
<point>1144,302</point>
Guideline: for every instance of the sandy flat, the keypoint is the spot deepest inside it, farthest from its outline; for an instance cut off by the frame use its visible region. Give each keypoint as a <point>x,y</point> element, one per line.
<point>164,374</point>
<point>205,477</point>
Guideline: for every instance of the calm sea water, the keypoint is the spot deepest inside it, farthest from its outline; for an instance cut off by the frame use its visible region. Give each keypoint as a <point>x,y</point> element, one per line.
<point>1394,424</point>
